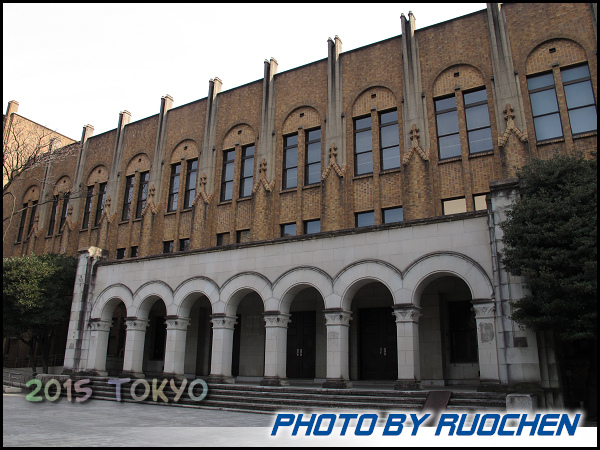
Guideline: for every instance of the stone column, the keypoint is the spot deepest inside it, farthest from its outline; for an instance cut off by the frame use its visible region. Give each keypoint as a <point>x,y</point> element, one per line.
<point>407,332</point>
<point>175,347</point>
<point>275,349</point>
<point>222,348</point>
<point>134,347</point>
<point>485,315</point>
<point>338,324</point>
<point>100,330</point>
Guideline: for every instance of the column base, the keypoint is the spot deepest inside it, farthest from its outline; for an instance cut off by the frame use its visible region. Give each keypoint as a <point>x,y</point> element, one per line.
<point>132,375</point>
<point>220,379</point>
<point>337,383</point>
<point>274,381</point>
<point>407,385</point>
<point>176,376</point>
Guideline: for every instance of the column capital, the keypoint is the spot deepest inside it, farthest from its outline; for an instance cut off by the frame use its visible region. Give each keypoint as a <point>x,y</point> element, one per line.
<point>276,319</point>
<point>135,324</point>
<point>337,317</point>
<point>100,325</point>
<point>223,321</point>
<point>177,323</point>
<point>484,308</point>
<point>407,313</point>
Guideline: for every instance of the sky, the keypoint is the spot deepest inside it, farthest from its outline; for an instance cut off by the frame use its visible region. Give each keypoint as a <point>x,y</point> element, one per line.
<point>68,65</point>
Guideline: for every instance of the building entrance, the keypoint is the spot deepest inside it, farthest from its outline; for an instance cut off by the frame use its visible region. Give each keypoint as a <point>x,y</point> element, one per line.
<point>378,344</point>
<point>301,345</point>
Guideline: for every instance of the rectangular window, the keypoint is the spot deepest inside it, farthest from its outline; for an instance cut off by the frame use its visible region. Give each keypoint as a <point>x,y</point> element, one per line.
<point>479,202</point>
<point>184,244</point>
<point>174,187</point>
<point>120,253</point>
<point>31,217</point>
<point>247,180</point>
<point>363,146</point>
<point>365,219</point>
<point>100,204</point>
<point>85,222</point>
<point>65,211</point>
<point>134,251</point>
<point>22,222</point>
<point>580,99</point>
<point>290,161</point>
<point>544,106</point>
<point>288,229</point>
<point>479,130</point>
<point>222,239</point>
<point>454,206</point>
<point>142,194</point>
<point>392,215</point>
<point>312,169</point>
<point>389,140</point>
<point>227,179</point>
<point>190,183</point>
<point>242,236</point>
<point>128,197</point>
<point>446,117</point>
<point>53,215</point>
<point>312,226</point>
<point>168,247</point>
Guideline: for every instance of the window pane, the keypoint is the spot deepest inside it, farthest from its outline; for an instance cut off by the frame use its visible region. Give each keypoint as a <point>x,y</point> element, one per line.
<point>474,97</point>
<point>575,73</point>
<point>230,155</point>
<point>228,190</point>
<point>313,135</point>
<point>313,226</point>
<point>362,123</point>
<point>247,187</point>
<point>479,201</point>
<point>579,94</point>
<point>544,102</point>
<point>364,163</point>
<point>291,178</point>
<point>314,173</point>
<point>480,140</point>
<point>313,153</point>
<point>547,127</point>
<point>249,151</point>
<point>449,146</point>
<point>445,103</point>
<point>389,136</point>
<point>447,123</point>
<point>288,230</point>
<point>390,158</point>
<point>291,140</point>
<point>248,167</point>
<point>291,157</point>
<point>365,219</point>
<point>540,81</point>
<point>455,206</point>
<point>364,143</point>
<point>191,182</point>
<point>388,117</point>
<point>477,117</point>
<point>393,215</point>
<point>228,172</point>
<point>583,119</point>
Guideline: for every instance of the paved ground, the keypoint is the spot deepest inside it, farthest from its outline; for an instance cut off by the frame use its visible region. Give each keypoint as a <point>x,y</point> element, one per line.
<point>102,423</point>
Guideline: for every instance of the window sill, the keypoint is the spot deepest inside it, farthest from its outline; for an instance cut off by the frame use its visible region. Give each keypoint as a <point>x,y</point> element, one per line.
<point>449,160</point>
<point>123,222</point>
<point>288,190</point>
<point>311,186</point>
<point>168,213</point>
<point>225,202</point>
<point>550,141</point>
<point>244,199</point>
<point>477,155</point>
<point>586,134</point>
<point>394,170</point>
<point>364,175</point>
<point>137,220</point>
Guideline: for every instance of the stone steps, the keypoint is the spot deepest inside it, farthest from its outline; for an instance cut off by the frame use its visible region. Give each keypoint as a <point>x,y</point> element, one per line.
<point>263,399</point>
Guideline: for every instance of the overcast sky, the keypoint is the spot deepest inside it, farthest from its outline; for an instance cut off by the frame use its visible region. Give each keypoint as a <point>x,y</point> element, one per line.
<point>69,65</point>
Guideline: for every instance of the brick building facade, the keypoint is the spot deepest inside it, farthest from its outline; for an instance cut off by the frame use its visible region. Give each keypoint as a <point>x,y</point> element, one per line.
<point>356,193</point>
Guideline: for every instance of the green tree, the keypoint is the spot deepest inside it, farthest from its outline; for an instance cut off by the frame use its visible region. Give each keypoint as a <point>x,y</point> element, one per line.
<point>37,295</point>
<point>550,239</point>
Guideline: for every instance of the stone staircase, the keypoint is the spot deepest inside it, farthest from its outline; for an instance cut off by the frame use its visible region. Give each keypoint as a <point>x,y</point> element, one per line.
<point>262,399</point>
